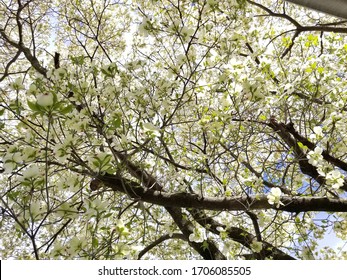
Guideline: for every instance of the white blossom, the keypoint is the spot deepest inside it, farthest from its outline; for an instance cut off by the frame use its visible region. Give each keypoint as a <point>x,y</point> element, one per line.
<point>181,58</point>
<point>335,179</point>
<point>9,167</point>
<point>17,84</point>
<point>186,33</point>
<point>59,74</point>
<point>32,89</point>
<point>196,236</point>
<point>315,157</point>
<point>35,208</point>
<point>45,99</point>
<point>145,27</point>
<point>32,171</point>
<point>256,246</point>
<point>275,196</point>
<point>318,131</point>
<point>121,228</point>
<point>307,254</point>
<point>149,127</point>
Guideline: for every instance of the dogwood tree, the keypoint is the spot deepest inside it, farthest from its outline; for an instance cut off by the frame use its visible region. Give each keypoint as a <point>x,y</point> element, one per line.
<point>171,129</point>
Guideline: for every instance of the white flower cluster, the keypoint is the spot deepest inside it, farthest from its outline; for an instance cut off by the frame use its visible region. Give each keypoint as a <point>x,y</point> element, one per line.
<point>11,160</point>
<point>35,208</point>
<point>14,157</point>
<point>145,27</point>
<point>62,151</point>
<point>186,33</point>
<point>197,235</point>
<point>17,84</point>
<point>256,246</point>
<point>169,227</point>
<point>335,179</point>
<point>151,128</point>
<point>315,157</point>
<point>275,196</point>
<point>307,254</point>
<point>76,244</point>
<point>318,134</point>
<point>253,89</point>
<point>340,227</point>
<point>31,172</point>
<point>57,74</point>
<point>121,228</point>
<point>45,99</point>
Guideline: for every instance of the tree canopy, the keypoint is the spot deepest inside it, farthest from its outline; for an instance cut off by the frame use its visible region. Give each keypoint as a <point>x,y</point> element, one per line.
<point>171,129</point>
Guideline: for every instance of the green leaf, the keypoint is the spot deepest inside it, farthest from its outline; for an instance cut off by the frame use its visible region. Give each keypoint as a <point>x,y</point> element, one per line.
<point>66,110</point>
<point>55,98</point>
<point>34,106</point>
<point>262,117</point>
<point>14,195</point>
<point>302,146</point>
<point>72,87</point>
<point>26,183</point>
<point>95,242</point>
<point>116,123</point>
<point>16,106</point>
<point>205,245</point>
<point>77,60</point>
<point>106,73</point>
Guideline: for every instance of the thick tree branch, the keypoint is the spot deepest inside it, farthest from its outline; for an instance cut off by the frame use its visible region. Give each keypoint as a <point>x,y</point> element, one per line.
<point>305,166</point>
<point>333,160</point>
<point>160,240</point>
<point>152,186</point>
<point>239,235</point>
<point>20,47</point>
<point>187,228</point>
<point>7,68</point>
<point>240,203</point>
<point>271,13</point>
<point>298,27</point>
<point>291,137</point>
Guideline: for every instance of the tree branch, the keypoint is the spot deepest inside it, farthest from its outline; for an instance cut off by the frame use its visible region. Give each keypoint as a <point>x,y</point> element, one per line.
<point>239,235</point>
<point>289,135</point>
<point>240,203</point>
<point>211,252</point>
<point>31,58</point>
<point>160,240</point>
